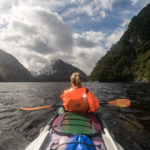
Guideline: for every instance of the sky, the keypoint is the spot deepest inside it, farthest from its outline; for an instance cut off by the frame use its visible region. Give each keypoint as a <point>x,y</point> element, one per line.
<point>79,32</point>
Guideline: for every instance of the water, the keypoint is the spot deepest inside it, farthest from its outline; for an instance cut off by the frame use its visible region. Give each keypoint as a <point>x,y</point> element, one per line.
<point>130,126</point>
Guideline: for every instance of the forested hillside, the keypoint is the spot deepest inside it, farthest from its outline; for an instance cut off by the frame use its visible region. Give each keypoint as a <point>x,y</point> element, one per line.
<point>129,58</point>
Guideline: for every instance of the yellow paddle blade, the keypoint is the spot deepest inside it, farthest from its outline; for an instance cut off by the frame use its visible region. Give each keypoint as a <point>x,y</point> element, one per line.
<point>36,108</point>
<point>120,102</point>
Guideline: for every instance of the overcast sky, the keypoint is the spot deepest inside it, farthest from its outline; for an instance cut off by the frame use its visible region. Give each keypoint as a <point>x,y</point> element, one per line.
<point>79,32</point>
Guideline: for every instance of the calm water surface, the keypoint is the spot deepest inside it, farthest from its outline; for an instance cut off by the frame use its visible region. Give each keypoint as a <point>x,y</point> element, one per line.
<point>130,126</point>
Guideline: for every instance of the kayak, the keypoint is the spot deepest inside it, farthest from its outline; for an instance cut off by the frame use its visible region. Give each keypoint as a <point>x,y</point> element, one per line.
<point>56,135</point>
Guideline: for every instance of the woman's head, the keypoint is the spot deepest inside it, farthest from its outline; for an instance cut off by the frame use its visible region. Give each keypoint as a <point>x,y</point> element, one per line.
<point>76,79</point>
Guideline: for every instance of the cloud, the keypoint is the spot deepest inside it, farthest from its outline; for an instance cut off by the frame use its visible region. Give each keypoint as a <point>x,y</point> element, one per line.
<point>114,37</point>
<point>94,10</point>
<point>19,26</point>
<point>125,22</point>
<point>34,61</point>
<point>39,46</point>
<point>83,42</point>
<point>107,4</point>
<point>87,50</point>
<point>103,13</point>
<point>95,36</point>
<point>134,2</point>
<point>52,5</point>
<point>82,6</point>
<point>6,5</point>
<point>86,58</point>
<point>140,3</point>
<point>40,30</point>
<point>35,35</point>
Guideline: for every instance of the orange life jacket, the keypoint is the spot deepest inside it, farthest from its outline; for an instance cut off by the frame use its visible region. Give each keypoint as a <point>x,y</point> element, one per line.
<point>79,100</point>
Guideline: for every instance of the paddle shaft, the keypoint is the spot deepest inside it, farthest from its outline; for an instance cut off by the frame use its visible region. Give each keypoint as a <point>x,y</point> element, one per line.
<point>117,102</point>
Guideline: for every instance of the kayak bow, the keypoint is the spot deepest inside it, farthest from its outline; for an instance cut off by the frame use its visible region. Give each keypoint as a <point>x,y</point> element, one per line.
<point>65,125</point>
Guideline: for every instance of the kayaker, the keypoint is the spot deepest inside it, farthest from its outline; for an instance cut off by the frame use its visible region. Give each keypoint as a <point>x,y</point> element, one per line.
<point>78,98</point>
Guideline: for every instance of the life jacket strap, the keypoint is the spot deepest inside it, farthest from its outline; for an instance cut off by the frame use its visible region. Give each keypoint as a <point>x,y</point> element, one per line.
<point>87,90</point>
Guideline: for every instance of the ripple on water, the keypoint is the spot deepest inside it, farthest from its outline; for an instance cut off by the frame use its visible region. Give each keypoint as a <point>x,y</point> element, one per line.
<point>130,126</point>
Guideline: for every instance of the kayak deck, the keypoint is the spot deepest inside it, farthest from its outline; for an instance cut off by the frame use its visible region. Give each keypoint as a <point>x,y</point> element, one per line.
<point>73,123</point>
<point>66,125</point>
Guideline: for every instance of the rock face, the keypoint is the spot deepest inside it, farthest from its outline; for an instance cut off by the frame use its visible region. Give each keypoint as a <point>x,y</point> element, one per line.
<point>58,71</point>
<point>129,58</point>
<point>11,70</point>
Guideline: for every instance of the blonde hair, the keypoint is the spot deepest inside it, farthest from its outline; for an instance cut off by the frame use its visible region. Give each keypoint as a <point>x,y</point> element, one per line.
<point>76,79</point>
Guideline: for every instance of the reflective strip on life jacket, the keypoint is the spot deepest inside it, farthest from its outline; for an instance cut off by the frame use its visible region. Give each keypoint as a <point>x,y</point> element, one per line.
<point>84,96</point>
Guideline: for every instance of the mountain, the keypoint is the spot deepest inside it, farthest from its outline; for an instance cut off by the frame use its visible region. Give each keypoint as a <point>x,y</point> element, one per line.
<point>58,71</point>
<point>129,58</point>
<point>11,70</point>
